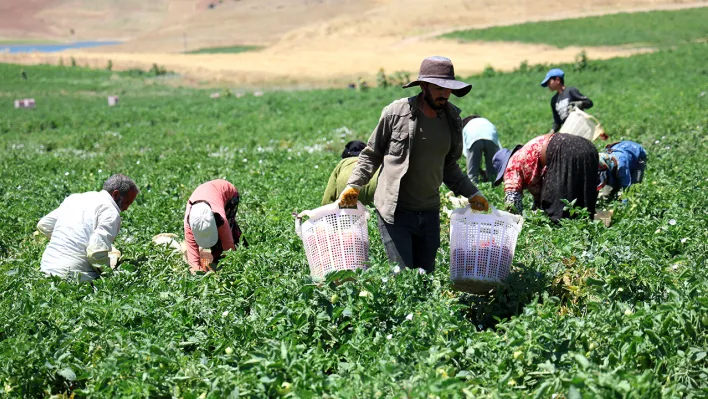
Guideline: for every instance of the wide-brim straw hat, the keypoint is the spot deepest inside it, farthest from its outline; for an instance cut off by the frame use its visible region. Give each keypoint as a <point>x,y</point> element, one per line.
<point>439,71</point>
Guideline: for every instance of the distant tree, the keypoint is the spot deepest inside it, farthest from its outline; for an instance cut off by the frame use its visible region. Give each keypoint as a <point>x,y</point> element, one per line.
<point>362,85</point>
<point>489,71</point>
<point>399,78</point>
<point>581,61</point>
<point>157,70</point>
<point>381,80</point>
<point>524,67</point>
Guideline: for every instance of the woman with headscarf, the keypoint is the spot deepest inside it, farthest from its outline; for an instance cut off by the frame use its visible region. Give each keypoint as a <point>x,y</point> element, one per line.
<point>340,175</point>
<point>553,167</point>
<point>621,165</point>
<point>210,223</point>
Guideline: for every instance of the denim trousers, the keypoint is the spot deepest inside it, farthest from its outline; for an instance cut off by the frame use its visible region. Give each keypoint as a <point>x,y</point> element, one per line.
<point>413,239</point>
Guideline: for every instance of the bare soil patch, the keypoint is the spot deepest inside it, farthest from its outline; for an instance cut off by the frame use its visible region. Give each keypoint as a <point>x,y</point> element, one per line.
<point>19,20</point>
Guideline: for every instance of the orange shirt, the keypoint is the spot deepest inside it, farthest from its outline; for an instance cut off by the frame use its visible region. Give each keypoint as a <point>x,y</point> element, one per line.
<point>217,193</point>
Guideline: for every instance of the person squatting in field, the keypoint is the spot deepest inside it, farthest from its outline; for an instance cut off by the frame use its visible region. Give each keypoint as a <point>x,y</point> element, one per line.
<point>82,229</point>
<point>553,167</point>
<point>417,144</point>
<point>565,99</point>
<point>210,223</point>
<point>340,175</point>
<point>480,137</point>
<point>621,165</point>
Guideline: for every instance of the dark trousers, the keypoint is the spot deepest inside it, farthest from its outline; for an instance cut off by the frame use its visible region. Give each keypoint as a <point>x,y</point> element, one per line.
<point>474,162</point>
<point>413,239</point>
<point>571,174</point>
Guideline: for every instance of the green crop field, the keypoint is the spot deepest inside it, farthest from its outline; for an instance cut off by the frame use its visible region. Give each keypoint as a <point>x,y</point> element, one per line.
<point>588,312</point>
<point>655,28</point>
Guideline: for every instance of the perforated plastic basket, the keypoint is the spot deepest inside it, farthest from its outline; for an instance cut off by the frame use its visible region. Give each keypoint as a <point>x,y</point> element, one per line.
<point>580,123</point>
<point>481,248</point>
<point>334,238</point>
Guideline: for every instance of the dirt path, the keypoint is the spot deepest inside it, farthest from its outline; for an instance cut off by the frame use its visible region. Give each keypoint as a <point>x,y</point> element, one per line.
<point>394,34</point>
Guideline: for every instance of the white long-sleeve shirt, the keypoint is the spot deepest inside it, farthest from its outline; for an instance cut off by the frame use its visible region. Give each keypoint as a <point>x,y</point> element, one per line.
<point>81,232</point>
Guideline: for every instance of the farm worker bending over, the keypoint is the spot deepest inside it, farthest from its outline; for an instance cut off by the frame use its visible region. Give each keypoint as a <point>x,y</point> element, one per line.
<point>210,222</point>
<point>480,138</point>
<point>553,167</point>
<point>340,175</point>
<point>417,144</point>
<point>82,230</point>
<point>565,98</point>
<point>621,165</point>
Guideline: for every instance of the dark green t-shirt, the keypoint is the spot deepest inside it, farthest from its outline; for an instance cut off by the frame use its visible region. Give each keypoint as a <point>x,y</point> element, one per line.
<point>420,186</point>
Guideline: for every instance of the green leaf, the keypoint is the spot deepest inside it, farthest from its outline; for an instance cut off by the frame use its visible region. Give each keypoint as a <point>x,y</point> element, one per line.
<point>582,361</point>
<point>67,373</point>
<point>574,393</point>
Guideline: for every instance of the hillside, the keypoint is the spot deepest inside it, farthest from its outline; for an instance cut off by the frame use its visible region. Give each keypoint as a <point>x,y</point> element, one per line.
<point>326,41</point>
<point>79,20</point>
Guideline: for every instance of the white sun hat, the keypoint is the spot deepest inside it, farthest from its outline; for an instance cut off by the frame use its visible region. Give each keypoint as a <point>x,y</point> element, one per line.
<point>203,225</point>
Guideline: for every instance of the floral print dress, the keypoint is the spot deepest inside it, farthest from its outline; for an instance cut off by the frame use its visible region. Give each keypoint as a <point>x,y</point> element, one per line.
<point>525,171</point>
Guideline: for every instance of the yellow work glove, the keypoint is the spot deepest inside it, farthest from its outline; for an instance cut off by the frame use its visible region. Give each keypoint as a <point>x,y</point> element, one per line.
<point>478,202</point>
<point>349,197</point>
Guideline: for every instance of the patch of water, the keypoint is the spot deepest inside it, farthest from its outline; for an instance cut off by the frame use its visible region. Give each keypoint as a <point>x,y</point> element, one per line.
<point>50,48</point>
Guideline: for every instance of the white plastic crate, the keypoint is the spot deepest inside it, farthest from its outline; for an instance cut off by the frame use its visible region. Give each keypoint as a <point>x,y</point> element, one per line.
<point>334,238</point>
<point>481,248</point>
<point>25,103</point>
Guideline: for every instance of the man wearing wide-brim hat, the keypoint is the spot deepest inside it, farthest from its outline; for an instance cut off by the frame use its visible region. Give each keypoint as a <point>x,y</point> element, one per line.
<point>417,144</point>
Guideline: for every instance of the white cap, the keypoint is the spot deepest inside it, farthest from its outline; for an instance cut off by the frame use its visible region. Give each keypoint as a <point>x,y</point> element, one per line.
<point>203,225</point>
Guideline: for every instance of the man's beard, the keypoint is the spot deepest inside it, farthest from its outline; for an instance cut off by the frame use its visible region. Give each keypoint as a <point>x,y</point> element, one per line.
<point>431,103</point>
<point>119,202</point>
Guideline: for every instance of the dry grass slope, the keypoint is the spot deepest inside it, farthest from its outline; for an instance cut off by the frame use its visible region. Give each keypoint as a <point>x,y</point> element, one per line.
<point>320,42</point>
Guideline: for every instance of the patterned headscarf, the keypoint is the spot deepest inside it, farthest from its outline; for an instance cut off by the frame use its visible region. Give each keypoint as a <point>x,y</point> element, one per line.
<point>607,164</point>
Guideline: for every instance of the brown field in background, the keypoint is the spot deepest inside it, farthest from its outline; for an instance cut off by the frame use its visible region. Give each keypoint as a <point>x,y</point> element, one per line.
<point>306,42</point>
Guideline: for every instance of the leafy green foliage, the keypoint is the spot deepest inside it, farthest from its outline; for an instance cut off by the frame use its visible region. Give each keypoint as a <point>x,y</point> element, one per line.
<point>654,28</point>
<point>588,311</point>
<point>398,78</point>
<point>157,70</point>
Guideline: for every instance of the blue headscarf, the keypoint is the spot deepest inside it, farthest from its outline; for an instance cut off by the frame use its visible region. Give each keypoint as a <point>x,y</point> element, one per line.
<point>607,164</point>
